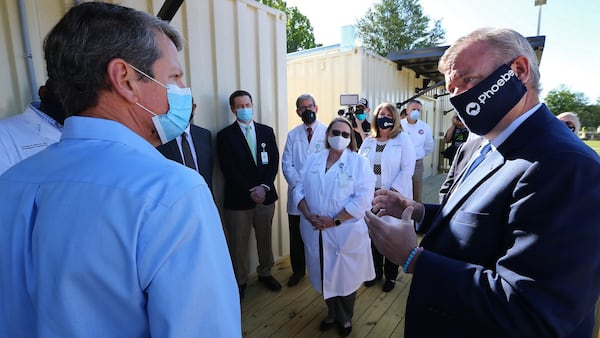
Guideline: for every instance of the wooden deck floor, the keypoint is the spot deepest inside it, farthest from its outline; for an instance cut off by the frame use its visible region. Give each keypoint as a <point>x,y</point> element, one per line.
<point>297,311</point>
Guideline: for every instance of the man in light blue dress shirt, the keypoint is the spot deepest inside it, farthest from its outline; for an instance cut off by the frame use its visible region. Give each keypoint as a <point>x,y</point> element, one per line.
<point>100,235</point>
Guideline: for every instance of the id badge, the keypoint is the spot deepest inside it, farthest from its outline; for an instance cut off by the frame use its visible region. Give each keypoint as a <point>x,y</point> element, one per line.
<point>264,157</point>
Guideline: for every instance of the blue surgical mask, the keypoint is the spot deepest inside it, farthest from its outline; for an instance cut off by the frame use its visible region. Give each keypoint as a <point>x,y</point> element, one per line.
<point>244,114</point>
<point>173,123</point>
<point>414,115</point>
<point>483,106</point>
<point>361,116</point>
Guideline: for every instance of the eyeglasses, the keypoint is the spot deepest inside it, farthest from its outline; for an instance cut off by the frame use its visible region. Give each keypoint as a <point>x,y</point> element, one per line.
<point>571,126</point>
<point>303,108</point>
<point>344,134</point>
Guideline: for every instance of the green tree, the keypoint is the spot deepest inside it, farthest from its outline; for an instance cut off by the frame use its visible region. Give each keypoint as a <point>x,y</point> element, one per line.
<point>299,31</point>
<point>562,99</point>
<point>392,25</point>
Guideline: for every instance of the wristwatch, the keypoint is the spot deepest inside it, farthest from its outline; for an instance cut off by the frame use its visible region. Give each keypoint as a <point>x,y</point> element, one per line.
<point>337,222</point>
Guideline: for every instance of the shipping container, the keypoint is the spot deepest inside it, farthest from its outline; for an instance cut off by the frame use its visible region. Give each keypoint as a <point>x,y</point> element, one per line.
<point>229,45</point>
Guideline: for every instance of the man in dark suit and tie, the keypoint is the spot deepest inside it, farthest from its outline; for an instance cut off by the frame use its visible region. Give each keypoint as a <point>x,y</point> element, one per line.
<point>249,160</point>
<point>193,148</point>
<point>512,251</point>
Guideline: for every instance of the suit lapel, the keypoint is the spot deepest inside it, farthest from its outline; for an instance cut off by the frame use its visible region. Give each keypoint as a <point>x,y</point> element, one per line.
<point>174,150</point>
<point>464,189</point>
<point>199,146</point>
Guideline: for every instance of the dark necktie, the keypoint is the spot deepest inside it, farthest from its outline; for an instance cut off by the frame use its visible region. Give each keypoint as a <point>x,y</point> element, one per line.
<point>188,159</point>
<point>484,150</point>
<point>309,130</point>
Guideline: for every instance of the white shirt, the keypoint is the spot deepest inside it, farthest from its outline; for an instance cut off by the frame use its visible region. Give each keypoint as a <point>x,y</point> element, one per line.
<point>26,134</point>
<point>295,153</point>
<point>397,162</point>
<point>420,136</point>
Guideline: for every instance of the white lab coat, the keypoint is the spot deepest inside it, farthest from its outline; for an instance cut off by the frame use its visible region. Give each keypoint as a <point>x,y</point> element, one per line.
<point>24,135</point>
<point>397,162</point>
<point>347,258</point>
<point>420,136</point>
<point>295,153</point>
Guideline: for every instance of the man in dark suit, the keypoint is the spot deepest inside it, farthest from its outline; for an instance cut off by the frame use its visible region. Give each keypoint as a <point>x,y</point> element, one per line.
<point>199,143</point>
<point>249,159</point>
<point>513,249</point>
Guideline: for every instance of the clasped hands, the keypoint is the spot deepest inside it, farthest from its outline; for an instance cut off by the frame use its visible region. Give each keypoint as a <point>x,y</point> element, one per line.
<point>258,194</point>
<point>394,236</point>
<point>320,222</point>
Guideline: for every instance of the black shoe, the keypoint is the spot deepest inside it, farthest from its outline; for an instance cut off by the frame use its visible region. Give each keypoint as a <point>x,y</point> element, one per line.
<point>270,282</point>
<point>389,285</point>
<point>242,290</point>
<point>369,283</point>
<point>344,331</point>
<point>325,325</point>
<point>294,280</point>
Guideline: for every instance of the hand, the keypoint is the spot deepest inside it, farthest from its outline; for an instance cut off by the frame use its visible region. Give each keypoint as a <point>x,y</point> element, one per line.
<point>258,194</point>
<point>322,222</point>
<point>394,238</point>
<point>387,202</point>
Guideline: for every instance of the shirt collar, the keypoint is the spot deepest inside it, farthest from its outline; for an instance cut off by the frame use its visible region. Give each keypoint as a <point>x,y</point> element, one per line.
<point>35,106</point>
<point>243,126</point>
<point>497,141</point>
<point>91,128</point>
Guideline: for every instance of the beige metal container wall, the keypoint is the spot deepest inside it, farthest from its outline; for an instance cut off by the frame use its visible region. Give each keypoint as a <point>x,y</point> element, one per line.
<point>329,71</point>
<point>230,45</point>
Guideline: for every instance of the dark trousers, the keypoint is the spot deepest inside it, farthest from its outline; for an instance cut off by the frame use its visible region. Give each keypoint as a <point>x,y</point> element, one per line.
<point>341,308</point>
<point>296,246</point>
<point>383,266</point>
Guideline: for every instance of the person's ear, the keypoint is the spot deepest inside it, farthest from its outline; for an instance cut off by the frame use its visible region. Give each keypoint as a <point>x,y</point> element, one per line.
<point>123,79</point>
<point>520,66</point>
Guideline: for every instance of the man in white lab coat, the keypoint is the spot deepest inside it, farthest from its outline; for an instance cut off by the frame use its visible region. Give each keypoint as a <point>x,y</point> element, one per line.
<point>306,138</point>
<point>32,131</point>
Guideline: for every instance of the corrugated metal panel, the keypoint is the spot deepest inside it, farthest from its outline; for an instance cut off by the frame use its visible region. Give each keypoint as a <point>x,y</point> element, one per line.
<point>231,44</point>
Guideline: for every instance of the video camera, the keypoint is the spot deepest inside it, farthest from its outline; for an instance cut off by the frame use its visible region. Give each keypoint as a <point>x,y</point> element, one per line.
<point>350,101</point>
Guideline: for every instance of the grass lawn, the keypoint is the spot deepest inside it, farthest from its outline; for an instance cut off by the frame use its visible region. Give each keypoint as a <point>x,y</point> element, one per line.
<point>594,144</point>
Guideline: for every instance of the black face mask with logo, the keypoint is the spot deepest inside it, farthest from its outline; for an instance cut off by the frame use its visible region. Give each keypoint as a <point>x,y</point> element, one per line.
<point>483,106</point>
<point>308,117</point>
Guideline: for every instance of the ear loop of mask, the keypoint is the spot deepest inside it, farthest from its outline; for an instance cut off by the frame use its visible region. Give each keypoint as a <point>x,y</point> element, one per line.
<point>151,78</point>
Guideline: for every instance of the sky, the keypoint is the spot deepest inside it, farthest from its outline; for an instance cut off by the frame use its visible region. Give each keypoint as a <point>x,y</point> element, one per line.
<point>571,27</point>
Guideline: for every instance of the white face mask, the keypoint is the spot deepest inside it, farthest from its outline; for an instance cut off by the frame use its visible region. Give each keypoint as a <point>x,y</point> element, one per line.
<point>338,142</point>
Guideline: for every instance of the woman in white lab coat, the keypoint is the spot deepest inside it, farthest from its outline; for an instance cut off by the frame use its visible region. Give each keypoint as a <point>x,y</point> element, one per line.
<point>335,190</point>
<point>392,157</point>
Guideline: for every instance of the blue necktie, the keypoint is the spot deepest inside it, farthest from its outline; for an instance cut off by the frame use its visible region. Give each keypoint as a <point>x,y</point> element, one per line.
<point>482,152</point>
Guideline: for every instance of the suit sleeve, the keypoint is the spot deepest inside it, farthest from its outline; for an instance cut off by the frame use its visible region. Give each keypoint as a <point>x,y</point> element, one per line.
<point>228,161</point>
<point>548,278</point>
<point>273,165</point>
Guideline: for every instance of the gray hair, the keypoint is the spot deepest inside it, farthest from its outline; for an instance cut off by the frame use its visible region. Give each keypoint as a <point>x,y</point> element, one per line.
<point>78,49</point>
<point>572,117</point>
<point>506,44</point>
<point>305,97</point>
